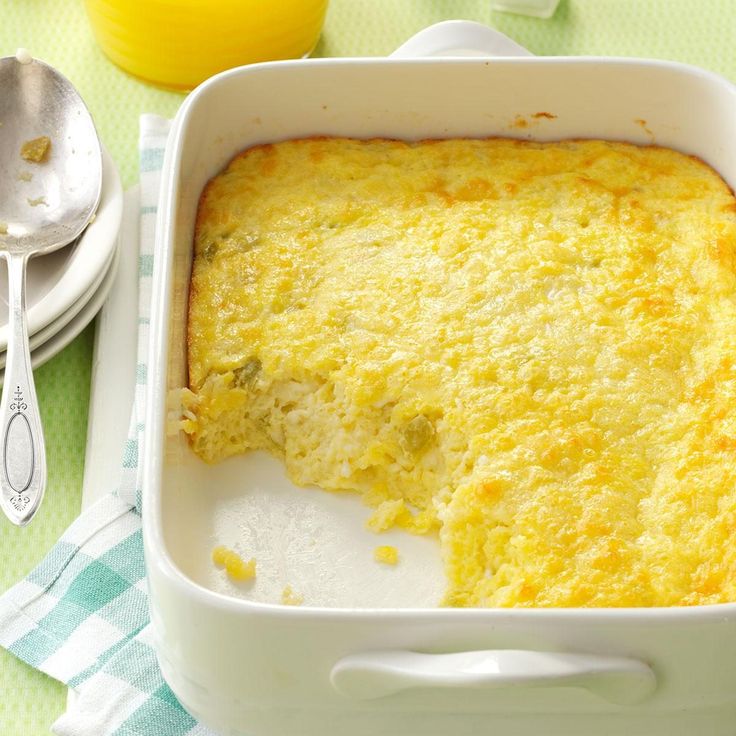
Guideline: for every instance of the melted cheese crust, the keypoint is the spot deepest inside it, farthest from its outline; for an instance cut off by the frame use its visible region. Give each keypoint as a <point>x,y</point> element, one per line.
<point>529,347</point>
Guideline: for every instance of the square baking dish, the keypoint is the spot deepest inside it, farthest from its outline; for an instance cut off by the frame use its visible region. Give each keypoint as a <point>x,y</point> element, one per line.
<point>370,652</point>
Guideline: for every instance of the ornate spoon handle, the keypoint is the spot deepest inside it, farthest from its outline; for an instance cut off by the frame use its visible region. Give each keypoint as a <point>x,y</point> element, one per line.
<point>22,452</point>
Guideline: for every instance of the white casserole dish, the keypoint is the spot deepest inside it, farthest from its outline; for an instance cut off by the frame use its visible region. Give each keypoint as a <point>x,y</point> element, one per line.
<point>369,653</point>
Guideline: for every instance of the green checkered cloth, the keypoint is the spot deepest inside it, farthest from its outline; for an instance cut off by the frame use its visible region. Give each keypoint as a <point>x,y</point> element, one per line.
<point>82,615</point>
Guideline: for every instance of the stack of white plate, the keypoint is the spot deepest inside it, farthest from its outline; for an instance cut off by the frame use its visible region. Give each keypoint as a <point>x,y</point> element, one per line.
<point>65,289</point>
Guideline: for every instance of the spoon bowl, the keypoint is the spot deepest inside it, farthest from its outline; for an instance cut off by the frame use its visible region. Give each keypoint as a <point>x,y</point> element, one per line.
<point>44,204</point>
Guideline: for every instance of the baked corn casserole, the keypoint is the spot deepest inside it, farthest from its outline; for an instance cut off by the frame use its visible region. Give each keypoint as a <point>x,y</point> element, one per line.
<point>526,348</point>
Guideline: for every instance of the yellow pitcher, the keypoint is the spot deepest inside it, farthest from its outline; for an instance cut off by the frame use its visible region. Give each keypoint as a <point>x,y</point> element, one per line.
<point>179,43</point>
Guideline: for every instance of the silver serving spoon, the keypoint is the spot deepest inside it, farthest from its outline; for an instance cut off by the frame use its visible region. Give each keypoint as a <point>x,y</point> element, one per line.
<point>44,205</point>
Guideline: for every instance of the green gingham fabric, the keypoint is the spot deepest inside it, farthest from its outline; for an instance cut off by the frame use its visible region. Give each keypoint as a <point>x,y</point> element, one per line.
<point>82,615</point>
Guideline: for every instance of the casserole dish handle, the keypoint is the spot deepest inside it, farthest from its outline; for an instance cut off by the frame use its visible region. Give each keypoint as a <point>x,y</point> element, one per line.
<point>459,38</point>
<point>371,675</point>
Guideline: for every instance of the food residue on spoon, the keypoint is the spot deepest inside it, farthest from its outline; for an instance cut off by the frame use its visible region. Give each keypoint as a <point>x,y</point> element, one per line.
<point>36,150</point>
<point>38,201</point>
<point>3,228</point>
<point>24,176</point>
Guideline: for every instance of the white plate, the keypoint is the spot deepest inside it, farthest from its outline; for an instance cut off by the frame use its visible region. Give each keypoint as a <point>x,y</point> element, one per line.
<point>40,337</point>
<point>59,280</point>
<point>57,342</point>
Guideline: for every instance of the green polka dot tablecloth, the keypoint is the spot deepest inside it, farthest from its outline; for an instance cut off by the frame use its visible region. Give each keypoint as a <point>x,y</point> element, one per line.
<point>701,33</point>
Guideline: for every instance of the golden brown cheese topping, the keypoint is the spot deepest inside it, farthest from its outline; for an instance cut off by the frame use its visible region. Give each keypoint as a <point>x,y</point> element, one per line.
<point>529,347</point>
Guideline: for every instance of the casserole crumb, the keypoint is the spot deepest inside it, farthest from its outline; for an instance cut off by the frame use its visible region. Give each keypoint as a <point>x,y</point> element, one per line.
<point>386,554</point>
<point>36,150</point>
<point>235,566</point>
<point>290,598</point>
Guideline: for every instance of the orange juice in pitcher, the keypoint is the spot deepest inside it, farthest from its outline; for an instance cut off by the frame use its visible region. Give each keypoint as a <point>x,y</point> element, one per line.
<point>179,43</point>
